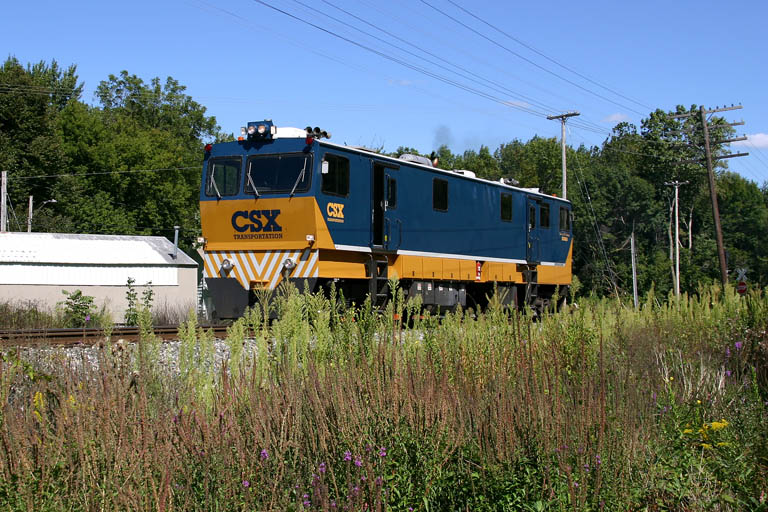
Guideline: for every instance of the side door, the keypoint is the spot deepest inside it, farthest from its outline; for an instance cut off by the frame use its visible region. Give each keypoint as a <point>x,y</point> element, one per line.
<point>533,253</point>
<point>386,225</point>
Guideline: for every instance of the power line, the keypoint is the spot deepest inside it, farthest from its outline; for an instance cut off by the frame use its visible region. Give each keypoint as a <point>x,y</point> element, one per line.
<point>105,172</point>
<point>535,64</point>
<point>405,63</point>
<point>538,52</point>
<point>495,85</point>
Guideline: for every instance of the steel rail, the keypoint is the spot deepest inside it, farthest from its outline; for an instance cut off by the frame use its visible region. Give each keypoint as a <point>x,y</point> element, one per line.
<point>89,335</point>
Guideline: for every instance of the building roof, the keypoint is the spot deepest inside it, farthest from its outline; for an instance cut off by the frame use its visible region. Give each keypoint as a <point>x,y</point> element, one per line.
<point>72,249</point>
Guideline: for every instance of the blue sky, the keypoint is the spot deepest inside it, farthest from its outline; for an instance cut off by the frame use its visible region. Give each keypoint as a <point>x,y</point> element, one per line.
<point>245,61</point>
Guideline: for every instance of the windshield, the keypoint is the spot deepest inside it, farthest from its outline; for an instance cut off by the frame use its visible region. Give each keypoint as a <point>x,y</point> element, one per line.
<point>273,174</point>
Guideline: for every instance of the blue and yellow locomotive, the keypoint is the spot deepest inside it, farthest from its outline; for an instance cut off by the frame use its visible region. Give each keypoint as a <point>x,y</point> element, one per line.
<point>286,203</point>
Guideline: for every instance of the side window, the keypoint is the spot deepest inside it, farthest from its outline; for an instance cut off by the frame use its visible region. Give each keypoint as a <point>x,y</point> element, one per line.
<point>391,193</point>
<point>565,219</point>
<point>223,177</point>
<point>336,180</point>
<point>544,216</point>
<point>506,207</point>
<point>440,195</point>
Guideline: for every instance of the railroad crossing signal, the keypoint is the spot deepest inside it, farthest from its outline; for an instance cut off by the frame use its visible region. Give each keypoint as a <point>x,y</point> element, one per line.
<point>742,274</point>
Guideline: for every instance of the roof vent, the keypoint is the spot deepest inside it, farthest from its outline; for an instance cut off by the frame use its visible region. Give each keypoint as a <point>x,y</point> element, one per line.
<point>464,172</point>
<point>417,159</point>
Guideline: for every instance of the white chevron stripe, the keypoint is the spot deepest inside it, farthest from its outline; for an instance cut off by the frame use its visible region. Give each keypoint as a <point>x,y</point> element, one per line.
<point>259,265</point>
<point>275,273</point>
<point>267,276</point>
<point>246,267</point>
<point>300,265</point>
<point>312,265</point>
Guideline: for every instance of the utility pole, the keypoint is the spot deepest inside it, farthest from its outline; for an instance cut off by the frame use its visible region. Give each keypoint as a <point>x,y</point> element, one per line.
<point>3,202</point>
<point>711,174</point>
<point>634,267</point>
<point>677,185</point>
<point>562,118</point>
<point>29,216</point>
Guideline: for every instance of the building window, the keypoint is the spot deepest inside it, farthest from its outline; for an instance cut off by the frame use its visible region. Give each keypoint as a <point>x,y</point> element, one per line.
<point>565,219</point>
<point>544,216</point>
<point>506,207</point>
<point>336,180</point>
<point>223,177</point>
<point>440,195</point>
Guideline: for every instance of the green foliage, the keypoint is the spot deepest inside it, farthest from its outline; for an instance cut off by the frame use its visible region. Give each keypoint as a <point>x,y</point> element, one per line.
<point>133,307</point>
<point>604,408</point>
<point>77,309</point>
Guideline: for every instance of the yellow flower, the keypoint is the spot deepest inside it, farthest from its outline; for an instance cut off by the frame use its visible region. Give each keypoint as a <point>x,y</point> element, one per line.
<point>688,431</point>
<point>723,444</point>
<point>698,402</point>
<point>671,379</point>
<point>706,446</point>
<point>72,401</point>
<point>719,425</point>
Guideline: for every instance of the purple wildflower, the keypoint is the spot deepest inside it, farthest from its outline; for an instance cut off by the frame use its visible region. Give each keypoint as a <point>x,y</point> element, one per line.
<point>358,461</point>
<point>737,345</point>
<point>363,478</point>
<point>379,480</point>
<point>307,503</point>
<point>306,496</point>
<point>727,373</point>
<point>598,459</point>
<point>264,454</point>
<point>87,318</point>
<point>575,484</point>
<point>382,452</point>
<point>347,456</point>
<point>355,490</point>
<point>727,352</point>
<point>333,503</point>
<point>246,483</point>
<point>321,468</point>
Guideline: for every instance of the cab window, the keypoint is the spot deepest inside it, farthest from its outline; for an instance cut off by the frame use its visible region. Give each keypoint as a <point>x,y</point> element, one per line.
<point>223,177</point>
<point>544,216</point>
<point>565,219</point>
<point>506,207</point>
<point>336,180</point>
<point>278,174</point>
<point>440,195</point>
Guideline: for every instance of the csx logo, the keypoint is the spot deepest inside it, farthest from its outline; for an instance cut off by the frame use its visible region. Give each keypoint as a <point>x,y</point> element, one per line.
<point>256,221</point>
<point>335,210</point>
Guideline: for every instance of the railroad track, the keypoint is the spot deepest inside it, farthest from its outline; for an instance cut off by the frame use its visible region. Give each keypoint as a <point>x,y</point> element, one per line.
<point>88,336</point>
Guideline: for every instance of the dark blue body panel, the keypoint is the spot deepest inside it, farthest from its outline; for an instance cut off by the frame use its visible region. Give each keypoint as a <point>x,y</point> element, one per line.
<point>470,227</point>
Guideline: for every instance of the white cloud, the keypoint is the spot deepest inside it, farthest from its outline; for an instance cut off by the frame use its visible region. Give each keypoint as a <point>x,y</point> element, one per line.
<point>757,140</point>
<point>618,117</point>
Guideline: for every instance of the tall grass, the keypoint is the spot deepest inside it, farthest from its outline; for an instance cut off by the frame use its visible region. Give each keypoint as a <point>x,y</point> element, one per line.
<point>328,407</point>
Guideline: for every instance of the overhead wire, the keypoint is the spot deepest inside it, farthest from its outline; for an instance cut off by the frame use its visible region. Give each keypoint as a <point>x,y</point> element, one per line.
<point>529,61</point>
<point>494,85</point>
<point>404,63</point>
<point>542,54</point>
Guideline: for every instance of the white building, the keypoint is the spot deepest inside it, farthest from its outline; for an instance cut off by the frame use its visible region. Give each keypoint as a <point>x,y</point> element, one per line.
<point>38,266</point>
